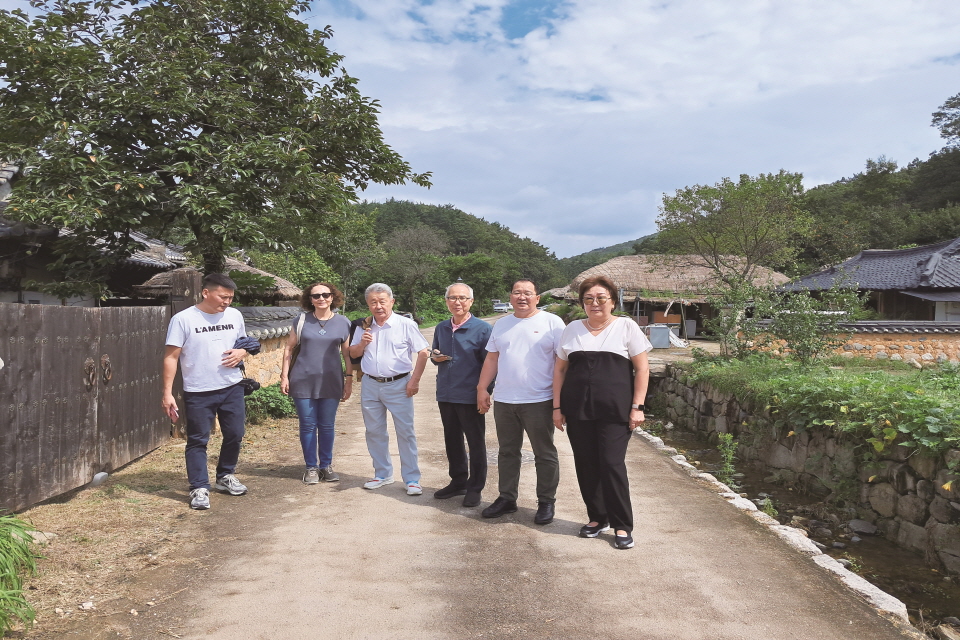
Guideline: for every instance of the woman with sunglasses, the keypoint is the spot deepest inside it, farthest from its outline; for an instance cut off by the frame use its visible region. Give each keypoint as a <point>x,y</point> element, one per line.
<point>599,385</point>
<point>318,382</point>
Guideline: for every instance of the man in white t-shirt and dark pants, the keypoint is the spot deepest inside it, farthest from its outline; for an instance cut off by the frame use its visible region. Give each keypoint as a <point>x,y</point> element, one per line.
<point>201,340</point>
<point>520,356</point>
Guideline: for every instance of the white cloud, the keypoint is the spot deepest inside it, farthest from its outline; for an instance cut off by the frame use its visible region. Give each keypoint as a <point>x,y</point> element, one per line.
<point>691,93</point>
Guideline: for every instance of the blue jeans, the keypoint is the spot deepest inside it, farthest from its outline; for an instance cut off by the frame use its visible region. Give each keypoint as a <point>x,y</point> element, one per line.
<point>316,429</point>
<point>201,407</point>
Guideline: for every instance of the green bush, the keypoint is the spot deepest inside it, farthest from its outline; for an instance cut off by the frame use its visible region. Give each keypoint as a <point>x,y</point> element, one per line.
<point>269,402</point>
<point>883,408</point>
<point>16,559</point>
<point>568,311</point>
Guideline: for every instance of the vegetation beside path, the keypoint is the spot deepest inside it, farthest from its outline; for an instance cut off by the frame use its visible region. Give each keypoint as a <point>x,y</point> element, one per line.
<point>99,539</point>
<point>883,406</point>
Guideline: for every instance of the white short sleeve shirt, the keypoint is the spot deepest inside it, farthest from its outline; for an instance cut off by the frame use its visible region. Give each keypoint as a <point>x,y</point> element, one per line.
<point>527,348</point>
<point>203,337</point>
<point>622,336</point>
<point>394,344</point>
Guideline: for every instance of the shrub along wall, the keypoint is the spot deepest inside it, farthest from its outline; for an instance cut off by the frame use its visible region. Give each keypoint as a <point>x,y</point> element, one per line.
<point>912,497</point>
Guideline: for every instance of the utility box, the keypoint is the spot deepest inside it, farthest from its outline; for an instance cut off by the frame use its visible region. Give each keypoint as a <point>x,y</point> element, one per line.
<point>659,336</point>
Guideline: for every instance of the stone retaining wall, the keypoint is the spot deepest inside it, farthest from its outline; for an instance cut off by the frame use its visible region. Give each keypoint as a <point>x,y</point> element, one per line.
<point>265,366</point>
<point>912,498</point>
<point>906,347</point>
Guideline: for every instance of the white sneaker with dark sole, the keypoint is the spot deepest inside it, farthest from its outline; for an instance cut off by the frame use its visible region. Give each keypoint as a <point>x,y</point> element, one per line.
<point>200,499</point>
<point>376,483</point>
<point>231,485</point>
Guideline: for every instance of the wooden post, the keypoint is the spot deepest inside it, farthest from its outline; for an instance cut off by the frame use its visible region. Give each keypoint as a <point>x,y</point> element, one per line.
<point>185,288</point>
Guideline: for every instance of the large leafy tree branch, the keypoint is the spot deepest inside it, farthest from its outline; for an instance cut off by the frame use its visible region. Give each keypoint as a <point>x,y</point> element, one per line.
<point>229,118</point>
<point>733,227</point>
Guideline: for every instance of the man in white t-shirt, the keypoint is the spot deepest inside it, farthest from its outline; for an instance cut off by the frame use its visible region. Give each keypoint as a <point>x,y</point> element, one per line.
<point>387,346</point>
<point>201,340</point>
<point>520,356</point>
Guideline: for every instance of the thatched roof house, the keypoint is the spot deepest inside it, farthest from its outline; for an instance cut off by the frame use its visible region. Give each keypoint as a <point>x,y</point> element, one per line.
<point>159,285</point>
<point>665,278</point>
<point>655,285</point>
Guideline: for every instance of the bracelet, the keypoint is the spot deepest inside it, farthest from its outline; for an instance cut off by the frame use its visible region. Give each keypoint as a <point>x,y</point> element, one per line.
<point>556,408</point>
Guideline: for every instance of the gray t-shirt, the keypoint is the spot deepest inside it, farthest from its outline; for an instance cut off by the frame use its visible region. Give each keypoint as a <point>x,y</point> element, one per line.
<point>203,337</point>
<point>318,372</point>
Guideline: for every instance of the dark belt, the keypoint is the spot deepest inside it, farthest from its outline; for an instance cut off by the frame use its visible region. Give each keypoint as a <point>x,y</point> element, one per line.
<point>391,379</point>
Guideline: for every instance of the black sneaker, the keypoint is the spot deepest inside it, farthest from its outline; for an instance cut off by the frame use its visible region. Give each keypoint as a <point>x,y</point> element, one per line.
<point>499,507</point>
<point>448,492</point>
<point>586,531</point>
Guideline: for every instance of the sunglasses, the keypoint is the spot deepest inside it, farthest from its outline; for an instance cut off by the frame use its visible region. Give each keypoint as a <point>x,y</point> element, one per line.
<point>317,296</point>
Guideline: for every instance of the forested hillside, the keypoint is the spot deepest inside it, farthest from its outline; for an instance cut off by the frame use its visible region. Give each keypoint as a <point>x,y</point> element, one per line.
<point>883,207</point>
<point>574,265</point>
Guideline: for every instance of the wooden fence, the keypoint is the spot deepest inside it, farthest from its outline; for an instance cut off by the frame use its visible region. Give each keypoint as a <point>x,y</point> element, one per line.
<point>79,394</point>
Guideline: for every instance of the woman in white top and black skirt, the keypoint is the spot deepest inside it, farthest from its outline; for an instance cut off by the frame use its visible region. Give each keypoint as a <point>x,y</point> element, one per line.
<point>599,385</point>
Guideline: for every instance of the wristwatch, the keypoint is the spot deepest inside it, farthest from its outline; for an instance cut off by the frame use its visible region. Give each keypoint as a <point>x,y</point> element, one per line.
<point>639,407</point>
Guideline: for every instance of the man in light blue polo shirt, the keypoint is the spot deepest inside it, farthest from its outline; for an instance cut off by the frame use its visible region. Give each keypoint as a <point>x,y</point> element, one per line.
<point>459,349</point>
<point>390,380</point>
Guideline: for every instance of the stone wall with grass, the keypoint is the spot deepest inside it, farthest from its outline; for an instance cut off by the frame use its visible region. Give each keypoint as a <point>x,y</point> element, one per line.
<point>912,498</point>
<point>265,366</point>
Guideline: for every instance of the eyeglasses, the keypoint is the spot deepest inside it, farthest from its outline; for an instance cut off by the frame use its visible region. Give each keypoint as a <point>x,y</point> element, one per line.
<point>317,296</point>
<point>597,300</point>
<point>458,298</point>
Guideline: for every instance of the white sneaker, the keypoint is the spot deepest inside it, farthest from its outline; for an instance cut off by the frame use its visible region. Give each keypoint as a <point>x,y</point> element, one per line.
<point>376,483</point>
<point>231,485</point>
<point>414,489</point>
<point>200,499</point>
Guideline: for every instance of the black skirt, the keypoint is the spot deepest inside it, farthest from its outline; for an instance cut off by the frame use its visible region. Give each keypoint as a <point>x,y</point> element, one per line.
<point>598,386</point>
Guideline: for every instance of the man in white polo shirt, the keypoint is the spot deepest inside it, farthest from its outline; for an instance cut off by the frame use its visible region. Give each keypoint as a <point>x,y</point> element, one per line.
<point>390,380</point>
<point>520,356</point>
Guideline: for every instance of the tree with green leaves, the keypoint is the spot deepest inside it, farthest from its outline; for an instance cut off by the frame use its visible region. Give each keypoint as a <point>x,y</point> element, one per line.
<point>229,121</point>
<point>733,227</point>
<point>947,120</point>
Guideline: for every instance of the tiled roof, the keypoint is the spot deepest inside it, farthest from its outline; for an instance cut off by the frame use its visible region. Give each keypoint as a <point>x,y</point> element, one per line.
<point>901,326</point>
<point>268,322</point>
<point>158,254</point>
<point>932,266</point>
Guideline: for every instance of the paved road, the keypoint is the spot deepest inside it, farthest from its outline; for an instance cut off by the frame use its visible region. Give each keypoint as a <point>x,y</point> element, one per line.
<point>338,561</point>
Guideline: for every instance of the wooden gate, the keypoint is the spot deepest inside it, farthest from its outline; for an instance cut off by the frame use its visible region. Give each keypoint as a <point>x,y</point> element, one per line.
<point>79,394</point>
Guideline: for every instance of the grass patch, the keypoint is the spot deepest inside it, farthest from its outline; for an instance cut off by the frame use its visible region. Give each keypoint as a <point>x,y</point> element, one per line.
<point>884,406</point>
<point>16,560</point>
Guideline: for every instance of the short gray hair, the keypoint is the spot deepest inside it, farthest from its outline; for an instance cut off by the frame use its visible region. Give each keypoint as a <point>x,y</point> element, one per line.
<point>458,284</point>
<point>378,287</point>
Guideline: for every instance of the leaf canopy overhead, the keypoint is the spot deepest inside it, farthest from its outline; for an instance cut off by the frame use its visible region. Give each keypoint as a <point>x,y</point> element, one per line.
<point>228,119</point>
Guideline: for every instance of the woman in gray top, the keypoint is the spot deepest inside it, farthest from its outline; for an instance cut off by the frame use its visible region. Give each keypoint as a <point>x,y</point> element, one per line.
<point>318,382</point>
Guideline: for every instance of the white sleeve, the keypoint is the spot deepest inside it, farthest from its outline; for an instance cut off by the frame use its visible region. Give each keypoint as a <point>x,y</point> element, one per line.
<point>415,339</point>
<point>492,342</point>
<point>176,332</point>
<point>563,346</point>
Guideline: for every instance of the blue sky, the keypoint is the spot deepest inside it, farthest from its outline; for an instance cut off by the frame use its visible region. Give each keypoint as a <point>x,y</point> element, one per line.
<point>567,120</point>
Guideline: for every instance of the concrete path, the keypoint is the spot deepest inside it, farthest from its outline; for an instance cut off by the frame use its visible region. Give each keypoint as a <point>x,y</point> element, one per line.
<point>338,561</point>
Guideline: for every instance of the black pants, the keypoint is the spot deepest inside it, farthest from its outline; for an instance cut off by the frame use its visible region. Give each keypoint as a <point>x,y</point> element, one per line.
<point>461,420</point>
<point>599,450</point>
